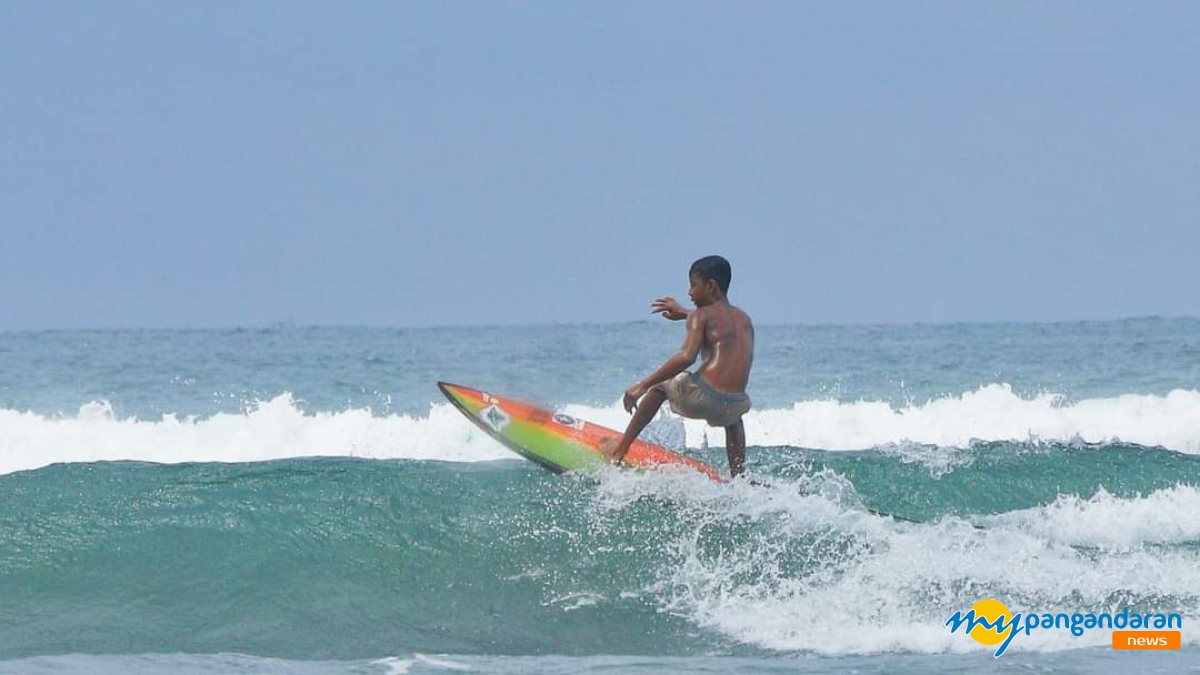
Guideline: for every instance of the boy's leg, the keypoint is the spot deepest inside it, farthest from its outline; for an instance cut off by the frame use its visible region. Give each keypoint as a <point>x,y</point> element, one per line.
<point>735,448</point>
<point>645,411</point>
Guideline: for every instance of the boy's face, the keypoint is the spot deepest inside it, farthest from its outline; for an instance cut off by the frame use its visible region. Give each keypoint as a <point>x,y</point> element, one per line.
<point>701,291</point>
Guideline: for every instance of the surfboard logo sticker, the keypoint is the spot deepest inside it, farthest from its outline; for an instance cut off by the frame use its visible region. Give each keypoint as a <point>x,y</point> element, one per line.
<point>495,417</point>
<point>568,421</point>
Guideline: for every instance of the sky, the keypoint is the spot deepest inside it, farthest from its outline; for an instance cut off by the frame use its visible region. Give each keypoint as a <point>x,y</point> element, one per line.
<point>169,164</point>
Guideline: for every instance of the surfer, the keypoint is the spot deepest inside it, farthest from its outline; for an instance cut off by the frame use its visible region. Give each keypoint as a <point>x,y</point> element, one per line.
<point>724,337</point>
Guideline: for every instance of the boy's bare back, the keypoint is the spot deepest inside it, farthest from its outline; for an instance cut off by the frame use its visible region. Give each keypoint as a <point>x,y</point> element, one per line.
<point>727,351</point>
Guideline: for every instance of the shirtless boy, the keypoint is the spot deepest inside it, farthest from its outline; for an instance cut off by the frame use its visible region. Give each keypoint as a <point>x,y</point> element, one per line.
<point>724,337</point>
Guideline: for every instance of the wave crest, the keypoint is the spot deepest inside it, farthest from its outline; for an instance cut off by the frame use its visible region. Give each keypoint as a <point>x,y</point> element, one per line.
<point>278,428</point>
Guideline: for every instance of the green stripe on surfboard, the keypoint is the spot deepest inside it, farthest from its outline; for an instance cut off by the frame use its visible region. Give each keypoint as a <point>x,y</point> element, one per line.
<point>557,441</point>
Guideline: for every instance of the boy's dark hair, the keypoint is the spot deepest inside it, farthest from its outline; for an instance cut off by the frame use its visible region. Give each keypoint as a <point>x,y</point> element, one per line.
<point>713,267</point>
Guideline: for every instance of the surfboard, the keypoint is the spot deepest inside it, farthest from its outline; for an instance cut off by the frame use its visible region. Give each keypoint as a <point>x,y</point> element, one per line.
<point>555,440</point>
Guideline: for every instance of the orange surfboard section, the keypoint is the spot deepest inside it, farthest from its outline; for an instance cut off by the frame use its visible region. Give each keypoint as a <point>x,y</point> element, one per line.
<point>558,441</point>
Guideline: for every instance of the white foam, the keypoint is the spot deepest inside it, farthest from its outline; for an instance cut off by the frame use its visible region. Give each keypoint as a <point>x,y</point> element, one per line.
<point>396,665</point>
<point>1113,524</point>
<point>277,428</point>
<point>991,413</point>
<point>875,585</point>
<point>272,429</point>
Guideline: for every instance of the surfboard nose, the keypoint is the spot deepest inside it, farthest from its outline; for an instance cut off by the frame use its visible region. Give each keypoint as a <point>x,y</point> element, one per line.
<point>456,392</point>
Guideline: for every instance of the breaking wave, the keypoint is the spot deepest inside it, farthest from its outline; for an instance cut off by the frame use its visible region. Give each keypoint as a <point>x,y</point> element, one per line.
<point>279,428</point>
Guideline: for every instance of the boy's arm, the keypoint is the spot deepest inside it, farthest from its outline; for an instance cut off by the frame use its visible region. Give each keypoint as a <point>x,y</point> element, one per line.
<point>675,365</point>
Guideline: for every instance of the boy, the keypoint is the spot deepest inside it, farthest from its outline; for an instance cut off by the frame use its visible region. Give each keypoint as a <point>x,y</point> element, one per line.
<point>723,335</point>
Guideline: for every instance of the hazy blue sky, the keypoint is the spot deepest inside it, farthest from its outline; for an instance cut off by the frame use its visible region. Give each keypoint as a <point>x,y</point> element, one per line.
<point>225,163</point>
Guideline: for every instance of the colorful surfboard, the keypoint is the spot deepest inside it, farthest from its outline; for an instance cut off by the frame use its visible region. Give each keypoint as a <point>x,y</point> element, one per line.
<point>557,441</point>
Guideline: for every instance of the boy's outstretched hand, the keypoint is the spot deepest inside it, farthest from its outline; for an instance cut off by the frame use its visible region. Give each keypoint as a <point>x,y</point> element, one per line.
<point>669,307</point>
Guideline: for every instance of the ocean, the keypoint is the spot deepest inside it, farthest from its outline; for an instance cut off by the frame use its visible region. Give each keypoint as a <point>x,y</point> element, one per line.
<point>295,499</point>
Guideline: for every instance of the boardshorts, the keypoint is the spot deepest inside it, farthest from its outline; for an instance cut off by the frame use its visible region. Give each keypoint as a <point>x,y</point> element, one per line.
<point>690,396</point>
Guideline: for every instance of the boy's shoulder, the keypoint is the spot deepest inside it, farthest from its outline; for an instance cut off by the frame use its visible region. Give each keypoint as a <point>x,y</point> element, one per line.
<point>728,310</point>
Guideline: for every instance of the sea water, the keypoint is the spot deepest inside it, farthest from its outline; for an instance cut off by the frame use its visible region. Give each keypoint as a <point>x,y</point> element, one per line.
<point>303,500</point>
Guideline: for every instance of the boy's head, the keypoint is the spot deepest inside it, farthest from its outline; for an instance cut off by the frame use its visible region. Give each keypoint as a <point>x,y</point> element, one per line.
<point>709,279</point>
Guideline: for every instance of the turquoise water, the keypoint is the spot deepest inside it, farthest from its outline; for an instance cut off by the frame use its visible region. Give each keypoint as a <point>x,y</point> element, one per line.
<point>301,500</point>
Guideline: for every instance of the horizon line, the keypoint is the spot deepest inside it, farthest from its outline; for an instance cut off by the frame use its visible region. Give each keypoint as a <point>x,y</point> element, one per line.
<point>290,325</point>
